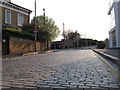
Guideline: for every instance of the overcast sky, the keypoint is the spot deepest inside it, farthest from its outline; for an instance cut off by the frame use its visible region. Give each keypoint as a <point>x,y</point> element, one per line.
<point>87,16</point>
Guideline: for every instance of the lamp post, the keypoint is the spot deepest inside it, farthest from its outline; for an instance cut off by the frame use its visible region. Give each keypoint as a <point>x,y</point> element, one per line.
<point>63,36</point>
<point>77,40</point>
<point>44,15</point>
<point>44,23</point>
<point>35,27</point>
<point>85,35</point>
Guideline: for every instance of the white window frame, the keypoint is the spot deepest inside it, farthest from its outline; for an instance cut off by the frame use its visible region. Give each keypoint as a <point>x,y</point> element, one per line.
<point>20,19</point>
<point>112,23</point>
<point>6,21</point>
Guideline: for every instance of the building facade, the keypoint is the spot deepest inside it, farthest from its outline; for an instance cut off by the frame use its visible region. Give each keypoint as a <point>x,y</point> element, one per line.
<point>63,44</point>
<point>114,33</point>
<point>13,14</point>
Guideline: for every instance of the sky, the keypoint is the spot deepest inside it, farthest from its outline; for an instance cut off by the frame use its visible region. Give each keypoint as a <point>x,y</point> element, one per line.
<point>88,17</point>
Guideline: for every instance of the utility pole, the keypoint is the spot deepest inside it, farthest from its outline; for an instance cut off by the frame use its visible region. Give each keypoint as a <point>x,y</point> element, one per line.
<point>77,39</point>
<point>63,30</point>
<point>35,27</point>
<point>86,42</point>
<point>44,16</point>
<point>86,39</point>
<point>44,29</point>
<point>63,36</point>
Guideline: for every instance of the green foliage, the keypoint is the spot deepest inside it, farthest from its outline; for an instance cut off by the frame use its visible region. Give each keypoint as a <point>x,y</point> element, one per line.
<point>100,44</point>
<point>9,26</point>
<point>49,31</point>
<point>27,34</point>
<point>13,30</point>
<point>28,28</point>
<point>90,42</point>
<point>70,35</point>
<point>43,35</point>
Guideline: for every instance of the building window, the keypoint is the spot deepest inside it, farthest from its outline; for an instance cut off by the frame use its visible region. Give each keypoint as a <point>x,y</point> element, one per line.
<point>112,14</point>
<point>114,38</point>
<point>20,19</point>
<point>112,24</point>
<point>8,16</point>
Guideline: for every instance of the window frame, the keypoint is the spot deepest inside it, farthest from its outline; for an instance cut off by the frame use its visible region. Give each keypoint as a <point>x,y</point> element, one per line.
<point>6,13</point>
<point>20,19</point>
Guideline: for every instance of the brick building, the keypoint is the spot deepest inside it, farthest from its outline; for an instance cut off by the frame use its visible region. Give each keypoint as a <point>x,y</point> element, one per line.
<point>13,14</point>
<point>63,44</point>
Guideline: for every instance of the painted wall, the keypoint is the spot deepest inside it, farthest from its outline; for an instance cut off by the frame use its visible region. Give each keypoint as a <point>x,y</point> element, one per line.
<point>118,31</point>
<point>116,6</point>
<point>110,40</point>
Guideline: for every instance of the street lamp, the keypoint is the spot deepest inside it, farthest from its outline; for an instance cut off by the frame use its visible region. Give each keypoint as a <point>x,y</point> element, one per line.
<point>35,27</point>
<point>77,40</point>
<point>44,15</point>
<point>44,25</point>
<point>63,36</point>
<point>85,35</point>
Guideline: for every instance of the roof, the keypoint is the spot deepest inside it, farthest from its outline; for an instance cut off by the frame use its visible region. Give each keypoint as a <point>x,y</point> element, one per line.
<point>112,6</point>
<point>16,6</point>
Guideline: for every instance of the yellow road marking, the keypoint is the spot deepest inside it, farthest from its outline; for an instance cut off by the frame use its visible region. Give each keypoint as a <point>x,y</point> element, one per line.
<point>109,67</point>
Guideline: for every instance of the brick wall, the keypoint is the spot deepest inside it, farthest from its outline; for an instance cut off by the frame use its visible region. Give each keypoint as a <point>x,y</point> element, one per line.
<point>69,43</point>
<point>14,17</point>
<point>20,45</point>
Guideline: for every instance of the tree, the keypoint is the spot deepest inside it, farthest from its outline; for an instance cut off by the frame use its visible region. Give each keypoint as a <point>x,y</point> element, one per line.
<point>100,44</point>
<point>70,35</point>
<point>90,42</point>
<point>28,28</point>
<point>49,31</point>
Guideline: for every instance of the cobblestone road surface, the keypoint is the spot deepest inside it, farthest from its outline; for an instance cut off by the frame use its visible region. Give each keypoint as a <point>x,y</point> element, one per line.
<point>63,69</point>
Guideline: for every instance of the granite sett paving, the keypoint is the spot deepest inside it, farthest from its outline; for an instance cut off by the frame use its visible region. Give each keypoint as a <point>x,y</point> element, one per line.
<point>69,69</point>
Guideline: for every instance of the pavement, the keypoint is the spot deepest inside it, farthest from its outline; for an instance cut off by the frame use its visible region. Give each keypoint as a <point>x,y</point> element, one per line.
<point>113,52</point>
<point>63,70</point>
<point>110,54</point>
<point>26,54</point>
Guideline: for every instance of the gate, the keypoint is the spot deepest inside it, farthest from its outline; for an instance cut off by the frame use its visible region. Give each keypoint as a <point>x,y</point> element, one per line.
<point>5,45</point>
